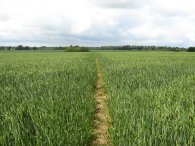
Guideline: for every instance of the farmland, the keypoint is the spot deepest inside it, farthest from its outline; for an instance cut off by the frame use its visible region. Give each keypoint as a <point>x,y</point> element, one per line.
<point>152,97</point>
<point>47,98</point>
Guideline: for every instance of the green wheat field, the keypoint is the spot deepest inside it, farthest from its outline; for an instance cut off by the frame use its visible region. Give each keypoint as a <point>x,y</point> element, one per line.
<point>47,98</point>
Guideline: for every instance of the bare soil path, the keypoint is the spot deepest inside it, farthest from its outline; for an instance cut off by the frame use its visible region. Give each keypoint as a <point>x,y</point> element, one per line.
<point>102,119</point>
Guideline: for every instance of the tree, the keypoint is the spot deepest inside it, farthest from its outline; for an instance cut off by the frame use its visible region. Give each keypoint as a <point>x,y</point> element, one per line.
<point>26,48</point>
<point>35,48</point>
<point>2,48</point>
<point>76,49</point>
<point>20,47</point>
<point>191,49</point>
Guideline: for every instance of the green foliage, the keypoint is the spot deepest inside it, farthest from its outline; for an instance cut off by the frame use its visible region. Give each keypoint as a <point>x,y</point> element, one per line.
<point>76,49</point>
<point>142,48</point>
<point>152,98</point>
<point>6,48</point>
<point>20,47</point>
<point>46,98</point>
<point>191,49</point>
<point>34,48</point>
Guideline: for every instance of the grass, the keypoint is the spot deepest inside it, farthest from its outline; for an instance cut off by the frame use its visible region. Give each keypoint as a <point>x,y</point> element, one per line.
<point>152,98</point>
<point>46,98</point>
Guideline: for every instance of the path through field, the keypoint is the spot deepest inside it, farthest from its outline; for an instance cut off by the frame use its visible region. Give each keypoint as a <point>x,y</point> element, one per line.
<point>102,118</point>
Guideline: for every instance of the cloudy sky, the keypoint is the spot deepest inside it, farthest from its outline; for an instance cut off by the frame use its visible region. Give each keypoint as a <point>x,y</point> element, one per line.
<point>97,22</point>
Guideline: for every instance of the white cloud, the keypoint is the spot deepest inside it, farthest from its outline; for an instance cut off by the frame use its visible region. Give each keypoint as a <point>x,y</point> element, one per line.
<point>119,4</point>
<point>97,22</point>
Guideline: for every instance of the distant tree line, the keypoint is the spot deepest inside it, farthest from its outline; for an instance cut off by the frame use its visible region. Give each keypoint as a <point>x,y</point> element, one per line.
<point>134,47</point>
<point>76,49</point>
<point>6,48</point>
<point>86,49</point>
<point>67,49</point>
<point>191,49</point>
<point>20,47</point>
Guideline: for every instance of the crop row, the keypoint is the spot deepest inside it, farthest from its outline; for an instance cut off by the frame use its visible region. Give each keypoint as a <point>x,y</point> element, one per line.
<point>46,98</point>
<point>151,97</point>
